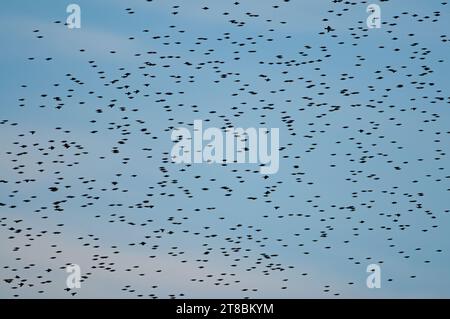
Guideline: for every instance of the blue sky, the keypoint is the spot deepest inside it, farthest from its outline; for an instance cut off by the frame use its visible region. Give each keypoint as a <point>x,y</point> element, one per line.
<point>106,26</point>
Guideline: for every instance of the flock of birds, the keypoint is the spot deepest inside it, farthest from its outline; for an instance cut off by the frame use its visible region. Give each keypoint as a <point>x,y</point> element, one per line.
<point>87,177</point>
